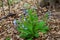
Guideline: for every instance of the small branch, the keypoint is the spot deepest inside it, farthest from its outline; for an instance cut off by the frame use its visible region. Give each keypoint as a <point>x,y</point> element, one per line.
<point>10,14</point>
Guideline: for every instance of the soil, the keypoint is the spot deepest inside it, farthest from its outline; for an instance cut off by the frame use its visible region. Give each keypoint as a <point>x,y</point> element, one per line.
<point>7,28</point>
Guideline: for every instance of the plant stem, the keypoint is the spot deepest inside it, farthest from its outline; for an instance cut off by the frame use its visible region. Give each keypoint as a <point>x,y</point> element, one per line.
<point>3,6</point>
<point>8,5</point>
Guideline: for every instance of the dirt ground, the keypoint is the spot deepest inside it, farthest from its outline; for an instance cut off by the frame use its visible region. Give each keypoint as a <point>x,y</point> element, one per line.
<point>7,28</point>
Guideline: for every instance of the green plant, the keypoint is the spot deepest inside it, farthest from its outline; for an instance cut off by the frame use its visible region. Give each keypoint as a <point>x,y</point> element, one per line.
<point>29,26</point>
<point>0,3</point>
<point>10,2</point>
<point>13,1</point>
<point>8,38</point>
<point>46,16</point>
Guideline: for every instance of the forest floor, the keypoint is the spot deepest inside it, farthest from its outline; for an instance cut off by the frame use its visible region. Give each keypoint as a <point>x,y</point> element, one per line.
<point>7,27</point>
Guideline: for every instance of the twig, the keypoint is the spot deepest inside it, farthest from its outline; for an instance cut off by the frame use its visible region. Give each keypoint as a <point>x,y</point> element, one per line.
<point>10,14</point>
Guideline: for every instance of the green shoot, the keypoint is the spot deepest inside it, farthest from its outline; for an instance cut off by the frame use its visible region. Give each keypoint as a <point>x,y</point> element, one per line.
<point>29,26</point>
<point>8,38</point>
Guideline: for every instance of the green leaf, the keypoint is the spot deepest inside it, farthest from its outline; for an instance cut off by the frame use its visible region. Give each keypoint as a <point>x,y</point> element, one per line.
<point>46,15</point>
<point>8,38</point>
<point>26,5</point>
<point>1,4</point>
<point>36,35</point>
<point>42,24</point>
<point>18,29</point>
<point>30,11</point>
<point>10,2</point>
<point>46,28</point>
<point>43,31</point>
<point>30,39</point>
<point>25,34</point>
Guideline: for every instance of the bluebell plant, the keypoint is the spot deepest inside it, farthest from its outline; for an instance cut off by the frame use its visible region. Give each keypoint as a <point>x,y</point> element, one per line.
<point>14,22</point>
